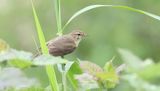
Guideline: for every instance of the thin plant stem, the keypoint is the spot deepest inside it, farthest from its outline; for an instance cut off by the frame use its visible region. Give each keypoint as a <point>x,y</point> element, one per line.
<point>52,77</point>
<point>64,81</point>
<point>57,5</point>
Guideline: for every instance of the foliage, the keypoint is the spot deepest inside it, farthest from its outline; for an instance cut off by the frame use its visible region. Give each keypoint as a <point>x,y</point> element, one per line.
<point>11,77</point>
<point>138,71</point>
<point>76,75</point>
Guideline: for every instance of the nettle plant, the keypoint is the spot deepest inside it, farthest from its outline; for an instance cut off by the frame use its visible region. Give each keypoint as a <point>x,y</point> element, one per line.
<point>80,75</point>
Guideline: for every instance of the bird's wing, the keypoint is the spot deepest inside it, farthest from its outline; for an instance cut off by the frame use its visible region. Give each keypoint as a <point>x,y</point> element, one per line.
<point>63,44</point>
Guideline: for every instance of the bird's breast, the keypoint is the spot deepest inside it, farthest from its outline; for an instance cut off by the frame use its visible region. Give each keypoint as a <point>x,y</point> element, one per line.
<point>61,47</point>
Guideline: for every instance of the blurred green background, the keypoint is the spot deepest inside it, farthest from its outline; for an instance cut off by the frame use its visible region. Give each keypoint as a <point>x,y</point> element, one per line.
<point>108,28</point>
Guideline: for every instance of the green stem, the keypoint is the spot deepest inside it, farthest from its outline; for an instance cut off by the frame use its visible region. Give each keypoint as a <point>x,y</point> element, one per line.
<point>52,77</point>
<point>58,16</point>
<point>64,81</point>
<point>57,4</point>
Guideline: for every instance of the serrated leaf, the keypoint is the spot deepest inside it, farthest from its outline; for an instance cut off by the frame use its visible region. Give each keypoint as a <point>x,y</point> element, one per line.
<point>86,81</point>
<point>6,56</point>
<point>16,58</point>
<point>74,69</point>
<point>12,54</point>
<point>14,77</point>
<point>89,67</point>
<point>20,63</point>
<point>88,8</point>
<point>44,60</point>
<point>133,62</point>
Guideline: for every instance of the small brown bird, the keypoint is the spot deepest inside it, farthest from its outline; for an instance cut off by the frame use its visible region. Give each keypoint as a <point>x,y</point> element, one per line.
<point>65,44</point>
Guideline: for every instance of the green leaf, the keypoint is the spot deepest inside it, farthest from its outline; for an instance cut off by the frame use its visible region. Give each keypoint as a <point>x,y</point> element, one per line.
<point>3,46</point>
<point>68,66</point>
<point>107,76</point>
<point>139,84</point>
<point>86,81</point>
<point>21,54</point>
<point>20,59</point>
<point>20,63</point>
<point>108,67</point>
<point>74,69</point>
<point>150,72</point>
<point>89,67</point>
<point>88,8</point>
<point>44,60</point>
<point>109,79</point>
<point>64,68</point>
<point>32,89</point>
<point>26,89</point>
<point>133,62</point>
<point>39,31</point>
<point>14,78</point>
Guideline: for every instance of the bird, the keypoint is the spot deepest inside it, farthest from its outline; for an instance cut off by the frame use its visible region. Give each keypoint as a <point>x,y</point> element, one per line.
<point>65,44</point>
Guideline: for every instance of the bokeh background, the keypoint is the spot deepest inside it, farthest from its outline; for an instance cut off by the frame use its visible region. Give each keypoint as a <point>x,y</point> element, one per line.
<point>108,28</point>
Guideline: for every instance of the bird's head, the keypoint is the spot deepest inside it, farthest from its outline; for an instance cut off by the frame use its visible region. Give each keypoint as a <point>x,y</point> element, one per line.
<point>77,35</point>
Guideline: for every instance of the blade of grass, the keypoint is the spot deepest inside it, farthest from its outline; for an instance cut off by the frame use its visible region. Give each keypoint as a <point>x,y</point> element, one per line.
<point>49,69</point>
<point>88,8</point>
<point>57,4</point>
<point>58,16</point>
<point>40,33</point>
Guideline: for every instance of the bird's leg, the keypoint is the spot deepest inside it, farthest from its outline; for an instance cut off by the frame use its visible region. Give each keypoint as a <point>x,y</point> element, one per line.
<point>63,65</point>
<point>63,75</point>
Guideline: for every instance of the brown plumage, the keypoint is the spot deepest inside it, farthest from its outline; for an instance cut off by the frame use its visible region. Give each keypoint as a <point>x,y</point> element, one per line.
<point>65,44</point>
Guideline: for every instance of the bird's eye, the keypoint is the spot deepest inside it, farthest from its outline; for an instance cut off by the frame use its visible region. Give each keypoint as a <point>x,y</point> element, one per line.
<point>78,34</point>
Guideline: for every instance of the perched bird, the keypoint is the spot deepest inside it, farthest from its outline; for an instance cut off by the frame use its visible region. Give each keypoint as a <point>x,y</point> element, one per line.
<point>65,44</point>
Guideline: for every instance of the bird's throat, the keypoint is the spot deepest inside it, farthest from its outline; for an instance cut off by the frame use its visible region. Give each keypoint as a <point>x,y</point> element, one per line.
<point>77,42</point>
